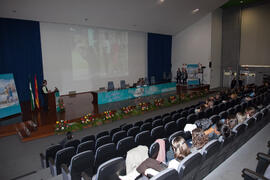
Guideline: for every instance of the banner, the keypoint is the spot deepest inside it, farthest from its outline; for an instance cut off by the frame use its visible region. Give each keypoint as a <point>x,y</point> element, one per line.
<point>192,70</point>
<point>9,102</point>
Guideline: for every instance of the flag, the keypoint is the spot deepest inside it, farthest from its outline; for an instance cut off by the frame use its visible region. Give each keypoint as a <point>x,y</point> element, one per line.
<point>31,96</point>
<point>36,92</point>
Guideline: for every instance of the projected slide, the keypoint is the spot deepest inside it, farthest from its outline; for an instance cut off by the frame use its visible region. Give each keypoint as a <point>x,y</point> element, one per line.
<point>9,102</point>
<point>98,53</point>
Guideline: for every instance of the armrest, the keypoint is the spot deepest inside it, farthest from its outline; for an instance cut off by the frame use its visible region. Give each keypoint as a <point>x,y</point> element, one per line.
<point>85,176</point>
<point>249,174</point>
<point>263,156</point>
<point>64,168</point>
<point>42,160</point>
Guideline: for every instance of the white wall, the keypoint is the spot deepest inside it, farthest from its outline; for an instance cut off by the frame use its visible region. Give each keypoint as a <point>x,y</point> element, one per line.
<point>196,45</point>
<point>57,59</point>
<point>193,46</point>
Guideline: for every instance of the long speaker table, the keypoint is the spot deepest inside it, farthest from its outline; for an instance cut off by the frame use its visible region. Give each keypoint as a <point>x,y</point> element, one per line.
<point>103,97</point>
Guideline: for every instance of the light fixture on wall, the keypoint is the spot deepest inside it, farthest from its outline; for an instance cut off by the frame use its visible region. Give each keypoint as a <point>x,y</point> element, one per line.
<point>160,1</point>
<point>195,11</point>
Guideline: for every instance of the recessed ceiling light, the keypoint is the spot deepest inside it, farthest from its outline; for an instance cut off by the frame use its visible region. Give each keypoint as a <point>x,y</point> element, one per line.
<point>85,19</point>
<point>195,11</point>
<point>161,1</point>
<point>14,11</point>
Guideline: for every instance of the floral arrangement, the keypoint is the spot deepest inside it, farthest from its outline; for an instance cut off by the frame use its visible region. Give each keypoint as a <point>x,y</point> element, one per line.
<point>144,106</point>
<point>172,99</point>
<point>128,109</point>
<point>158,102</point>
<point>87,119</point>
<point>61,125</point>
<point>107,115</point>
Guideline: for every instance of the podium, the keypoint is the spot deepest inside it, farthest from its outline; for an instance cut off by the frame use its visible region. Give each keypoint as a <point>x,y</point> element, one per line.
<point>51,101</point>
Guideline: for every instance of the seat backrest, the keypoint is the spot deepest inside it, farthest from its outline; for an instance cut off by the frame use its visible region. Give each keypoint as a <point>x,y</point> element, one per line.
<point>250,122</point>
<point>150,120</point>
<point>237,108</point>
<point>173,112</point>
<point>51,152</point>
<point>104,153</point>
<point>72,143</point>
<point>124,145</point>
<point>88,138</point>
<point>111,169</point>
<point>176,134</point>
<point>164,115</point>
<point>146,126</point>
<point>181,122</point>
<point>127,127</point>
<point>239,129</point>
<point>85,146</point>
<point>231,111</point>
<point>167,174</point>
<point>208,112</point>
<point>153,150</point>
<point>184,113</point>
<point>189,165</point>
<point>102,140</point>
<point>215,110</point>
<point>214,118</point>
<point>158,132</point>
<point>191,118</point>
<point>223,115</point>
<point>264,111</point>
<point>170,128</point>
<point>115,130</point>
<point>100,134</point>
<point>222,107</point>
<point>176,116</point>
<point>123,84</point>
<point>191,110</point>
<point>110,86</point>
<point>157,122</point>
<point>144,138</point>
<point>201,115</point>
<point>133,131</point>
<point>166,119</point>
<point>118,136</point>
<point>139,123</point>
<point>157,117</point>
<point>258,116</point>
<point>82,162</point>
<point>210,149</point>
<point>63,156</point>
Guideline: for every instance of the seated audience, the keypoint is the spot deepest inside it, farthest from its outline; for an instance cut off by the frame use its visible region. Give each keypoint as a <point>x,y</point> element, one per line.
<point>231,121</point>
<point>152,166</point>
<point>199,139</point>
<point>214,131</point>
<point>250,111</point>
<point>241,117</point>
<point>68,137</point>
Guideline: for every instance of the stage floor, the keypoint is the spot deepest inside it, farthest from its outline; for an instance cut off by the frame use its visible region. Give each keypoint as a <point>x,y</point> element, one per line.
<point>76,106</point>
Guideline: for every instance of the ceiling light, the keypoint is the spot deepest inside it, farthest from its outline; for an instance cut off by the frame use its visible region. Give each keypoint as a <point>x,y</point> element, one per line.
<point>241,2</point>
<point>195,11</point>
<point>160,1</point>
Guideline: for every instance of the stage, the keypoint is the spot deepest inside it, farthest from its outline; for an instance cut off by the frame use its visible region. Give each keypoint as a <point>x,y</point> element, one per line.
<point>76,106</point>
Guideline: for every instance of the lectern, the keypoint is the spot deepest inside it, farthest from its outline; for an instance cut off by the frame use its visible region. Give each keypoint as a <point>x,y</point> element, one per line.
<point>51,101</point>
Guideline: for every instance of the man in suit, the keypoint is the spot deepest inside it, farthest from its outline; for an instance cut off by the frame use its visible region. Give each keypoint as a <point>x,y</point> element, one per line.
<point>44,92</point>
<point>178,76</point>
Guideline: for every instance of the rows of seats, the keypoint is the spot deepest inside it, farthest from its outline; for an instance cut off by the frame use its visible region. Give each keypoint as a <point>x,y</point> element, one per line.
<point>107,145</point>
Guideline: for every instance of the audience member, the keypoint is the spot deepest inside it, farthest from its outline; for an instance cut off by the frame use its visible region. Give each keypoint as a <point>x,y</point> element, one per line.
<point>199,139</point>
<point>214,131</point>
<point>241,117</point>
<point>250,111</point>
<point>231,121</point>
<point>68,137</point>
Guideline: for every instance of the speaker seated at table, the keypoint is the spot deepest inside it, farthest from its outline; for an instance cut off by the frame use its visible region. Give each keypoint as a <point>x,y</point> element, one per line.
<point>123,84</point>
<point>110,86</point>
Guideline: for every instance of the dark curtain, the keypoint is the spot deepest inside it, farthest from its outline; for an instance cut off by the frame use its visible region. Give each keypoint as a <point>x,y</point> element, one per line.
<point>159,49</point>
<point>20,54</point>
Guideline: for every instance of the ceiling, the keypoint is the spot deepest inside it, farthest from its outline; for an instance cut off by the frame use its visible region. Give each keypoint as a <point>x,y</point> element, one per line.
<point>232,3</point>
<point>169,17</point>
